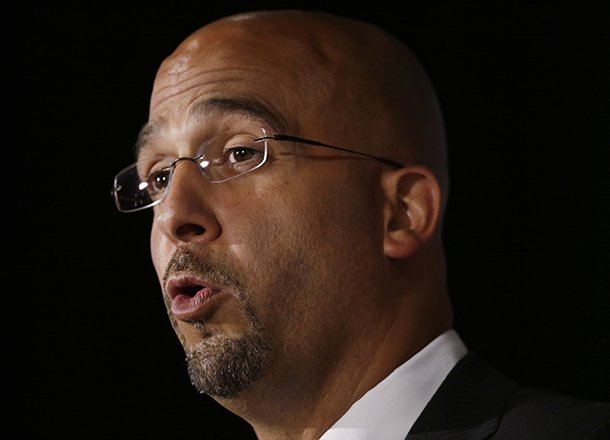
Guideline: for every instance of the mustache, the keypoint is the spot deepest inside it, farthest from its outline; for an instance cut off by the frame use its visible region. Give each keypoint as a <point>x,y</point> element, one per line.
<point>184,261</point>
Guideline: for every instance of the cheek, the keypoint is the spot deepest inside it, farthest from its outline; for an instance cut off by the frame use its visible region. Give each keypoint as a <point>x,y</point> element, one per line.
<point>313,238</point>
<point>159,258</point>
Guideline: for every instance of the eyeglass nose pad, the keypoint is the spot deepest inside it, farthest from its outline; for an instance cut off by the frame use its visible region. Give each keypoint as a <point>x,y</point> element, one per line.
<point>201,164</point>
<point>174,168</point>
<point>175,161</point>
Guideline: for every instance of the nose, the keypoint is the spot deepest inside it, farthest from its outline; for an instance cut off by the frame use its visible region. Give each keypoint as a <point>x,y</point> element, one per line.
<point>186,215</point>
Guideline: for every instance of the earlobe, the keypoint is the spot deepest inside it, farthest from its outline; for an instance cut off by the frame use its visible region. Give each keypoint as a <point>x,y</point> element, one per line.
<point>413,208</point>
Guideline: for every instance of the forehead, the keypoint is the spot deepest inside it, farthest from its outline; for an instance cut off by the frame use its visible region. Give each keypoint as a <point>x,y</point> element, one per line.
<point>217,114</point>
<point>229,60</point>
<point>284,78</point>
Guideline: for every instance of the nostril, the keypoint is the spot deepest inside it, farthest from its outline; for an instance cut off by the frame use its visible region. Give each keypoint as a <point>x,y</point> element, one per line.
<point>190,229</point>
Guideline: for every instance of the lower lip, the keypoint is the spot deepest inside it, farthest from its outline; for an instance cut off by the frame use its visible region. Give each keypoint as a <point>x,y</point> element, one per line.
<point>189,307</point>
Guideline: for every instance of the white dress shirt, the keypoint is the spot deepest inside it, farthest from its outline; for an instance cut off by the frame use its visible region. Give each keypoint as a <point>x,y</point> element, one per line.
<point>389,410</point>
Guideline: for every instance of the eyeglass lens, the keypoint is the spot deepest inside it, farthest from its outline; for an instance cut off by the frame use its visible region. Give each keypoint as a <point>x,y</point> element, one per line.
<point>222,158</point>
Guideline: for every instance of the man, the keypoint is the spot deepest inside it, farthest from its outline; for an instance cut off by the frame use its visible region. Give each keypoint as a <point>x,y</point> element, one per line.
<point>296,165</point>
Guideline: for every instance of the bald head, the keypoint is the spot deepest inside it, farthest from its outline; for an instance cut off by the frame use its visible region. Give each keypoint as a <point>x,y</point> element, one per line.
<point>330,78</point>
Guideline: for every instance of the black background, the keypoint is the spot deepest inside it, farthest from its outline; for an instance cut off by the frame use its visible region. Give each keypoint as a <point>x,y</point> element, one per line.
<point>524,90</point>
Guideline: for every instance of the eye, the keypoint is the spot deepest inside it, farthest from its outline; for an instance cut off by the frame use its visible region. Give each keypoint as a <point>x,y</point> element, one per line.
<point>242,154</point>
<point>157,181</point>
<point>154,174</point>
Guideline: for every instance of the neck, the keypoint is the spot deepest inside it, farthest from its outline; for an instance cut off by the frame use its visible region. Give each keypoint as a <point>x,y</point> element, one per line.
<point>302,405</point>
<point>305,397</point>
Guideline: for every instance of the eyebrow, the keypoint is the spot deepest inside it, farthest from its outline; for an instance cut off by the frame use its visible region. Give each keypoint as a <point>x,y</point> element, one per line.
<point>247,107</point>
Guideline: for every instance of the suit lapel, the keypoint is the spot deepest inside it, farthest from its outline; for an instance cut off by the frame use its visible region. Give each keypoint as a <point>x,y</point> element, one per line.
<point>468,405</point>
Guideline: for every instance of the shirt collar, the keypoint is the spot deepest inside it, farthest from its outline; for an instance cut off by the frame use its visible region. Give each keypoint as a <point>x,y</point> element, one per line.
<point>389,409</point>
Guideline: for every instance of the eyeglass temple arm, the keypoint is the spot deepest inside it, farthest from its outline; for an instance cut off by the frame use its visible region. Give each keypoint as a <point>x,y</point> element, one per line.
<point>284,137</point>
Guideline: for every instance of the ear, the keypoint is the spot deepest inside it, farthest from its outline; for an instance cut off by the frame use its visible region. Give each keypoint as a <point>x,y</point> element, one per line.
<point>412,210</point>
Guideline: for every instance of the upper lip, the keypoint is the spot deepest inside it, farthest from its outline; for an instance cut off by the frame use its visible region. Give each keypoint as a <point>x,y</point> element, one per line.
<point>185,285</point>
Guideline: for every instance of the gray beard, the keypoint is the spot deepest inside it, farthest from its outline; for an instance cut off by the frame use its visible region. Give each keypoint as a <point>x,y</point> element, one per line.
<point>224,366</point>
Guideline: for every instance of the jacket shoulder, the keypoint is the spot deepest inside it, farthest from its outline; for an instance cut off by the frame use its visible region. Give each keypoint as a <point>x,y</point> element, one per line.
<point>477,402</point>
<point>551,415</point>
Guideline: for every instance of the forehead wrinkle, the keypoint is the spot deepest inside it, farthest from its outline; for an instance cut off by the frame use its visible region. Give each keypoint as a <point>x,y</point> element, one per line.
<point>223,106</point>
<point>245,106</point>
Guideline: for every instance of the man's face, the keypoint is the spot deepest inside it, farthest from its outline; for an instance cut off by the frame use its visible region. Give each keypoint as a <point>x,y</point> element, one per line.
<point>268,276</point>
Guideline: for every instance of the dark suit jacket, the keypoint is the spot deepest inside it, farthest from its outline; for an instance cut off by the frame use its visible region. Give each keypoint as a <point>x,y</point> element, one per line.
<point>477,402</point>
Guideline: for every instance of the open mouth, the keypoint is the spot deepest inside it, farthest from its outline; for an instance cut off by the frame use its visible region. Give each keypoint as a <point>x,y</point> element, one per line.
<point>188,290</point>
<point>189,297</point>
